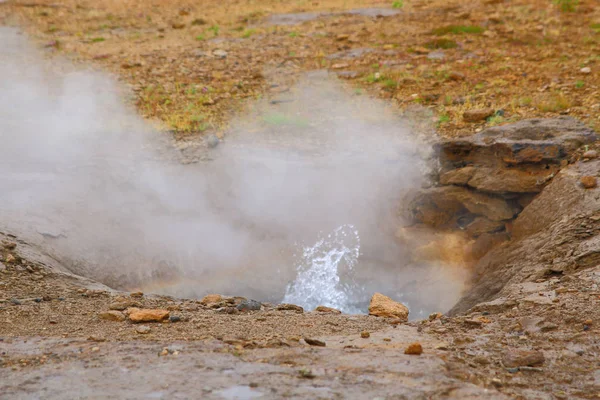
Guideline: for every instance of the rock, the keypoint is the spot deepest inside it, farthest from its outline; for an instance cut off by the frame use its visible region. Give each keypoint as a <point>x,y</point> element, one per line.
<point>123,304</point>
<point>314,342</point>
<point>414,349</point>
<point>486,242</point>
<point>365,335</point>
<point>290,307</point>
<point>481,225</point>
<point>590,154</point>
<point>586,70</point>
<point>9,259</point>
<point>219,53</point>
<point>589,182</point>
<point>137,294</point>
<point>9,245</point>
<point>523,358</point>
<point>16,302</point>
<point>148,315</point>
<point>211,299</point>
<point>473,323</point>
<point>383,306</point>
<point>477,115</point>
<point>512,180</point>
<point>174,318</point>
<point>459,176</point>
<point>177,25</point>
<point>249,305</point>
<point>142,329</point>
<point>212,141</point>
<point>441,205</point>
<point>112,316</point>
<point>456,76</point>
<point>435,55</point>
<point>329,310</point>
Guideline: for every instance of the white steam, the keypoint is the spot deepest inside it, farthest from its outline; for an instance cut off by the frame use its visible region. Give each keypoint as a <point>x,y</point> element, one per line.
<point>92,183</point>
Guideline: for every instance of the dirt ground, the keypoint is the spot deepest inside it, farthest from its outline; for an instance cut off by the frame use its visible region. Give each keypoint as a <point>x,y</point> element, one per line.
<point>191,66</point>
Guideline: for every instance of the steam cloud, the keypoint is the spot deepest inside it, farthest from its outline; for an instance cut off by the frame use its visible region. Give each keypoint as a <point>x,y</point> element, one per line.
<point>90,182</point>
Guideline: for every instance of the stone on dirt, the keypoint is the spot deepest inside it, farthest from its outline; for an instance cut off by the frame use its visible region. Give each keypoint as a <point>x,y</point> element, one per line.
<point>123,304</point>
<point>9,259</point>
<point>477,115</point>
<point>211,299</point>
<point>9,245</point>
<point>414,349</point>
<point>290,307</point>
<point>523,358</point>
<point>365,335</point>
<point>112,315</point>
<point>589,182</point>
<point>249,305</point>
<point>383,306</point>
<point>328,310</point>
<point>315,342</point>
<point>148,315</point>
<point>143,329</point>
<point>590,154</point>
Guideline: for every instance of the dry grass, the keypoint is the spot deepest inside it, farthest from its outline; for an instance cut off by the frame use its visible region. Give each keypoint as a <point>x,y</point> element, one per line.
<point>523,57</point>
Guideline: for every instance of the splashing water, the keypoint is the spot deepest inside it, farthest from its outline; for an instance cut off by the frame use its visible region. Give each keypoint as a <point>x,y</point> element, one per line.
<point>321,270</point>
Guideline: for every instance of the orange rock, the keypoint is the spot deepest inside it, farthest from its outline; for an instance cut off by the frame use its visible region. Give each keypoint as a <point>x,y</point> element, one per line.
<point>148,315</point>
<point>414,349</point>
<point>477,115</point>
<point>589,182</point>
<point>365,335</point>
<point>383,306</point>
<point>211,299</point>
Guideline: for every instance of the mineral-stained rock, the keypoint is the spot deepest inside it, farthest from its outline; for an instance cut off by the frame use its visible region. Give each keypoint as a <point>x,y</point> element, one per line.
<point>211,299</point>
<point>438,206</point>
<point>314,342</point>
<point>459,176</point>
<point>523,358</point>
<point>414,349</point>
<point>589,182</point>
<point>481,225</point>
<point>383,306</point>
<point>249,305</point>
<point>516,180</point>
<point>148,315</point>
<point>112,316</point>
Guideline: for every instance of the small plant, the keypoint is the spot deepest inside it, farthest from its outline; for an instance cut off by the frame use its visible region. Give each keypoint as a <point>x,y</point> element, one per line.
<point>441,44</point>
<point>579,84</point>
<point>389,83</point>
<point>495,120</point>
<point>567,5</point>
<point>248,32</point>
<point>458,30</point>
<point>374,77</point>
<point>554,103</point>
<point>215,30</point>
<point>293,34</point>
<point>525,101</point>
<point>596,27</point>
<point>200,37</point>
<point>97,40</point>
<point>443,119</point>
<point>398,4</point>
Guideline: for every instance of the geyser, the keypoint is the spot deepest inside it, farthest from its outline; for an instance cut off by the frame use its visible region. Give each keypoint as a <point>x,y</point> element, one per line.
<point>89,181</point>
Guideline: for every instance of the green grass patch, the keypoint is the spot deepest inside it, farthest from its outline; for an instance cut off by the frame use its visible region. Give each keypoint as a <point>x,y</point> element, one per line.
<point>97,40</point>
<point>441,44</point>
<point>579,84</point>
<point>443,119</point>
<point>200,37</point>
<point>458,30</point>
<point>398,4</point>
<point>596,27</point>
<point>293,34</point>
<point>248,32</point>
<point>567,5</point>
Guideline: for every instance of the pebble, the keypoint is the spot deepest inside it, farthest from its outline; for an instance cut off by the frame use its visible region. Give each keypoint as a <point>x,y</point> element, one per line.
<point>137,294</point>
<point>365,335</point>
<point>590,154</point>
<point>95,349</point>
<point>586,70</point>
<point>315,342</point>
<point>414,349</point>
<point>211,299</point>
<point>143,329</point>
<point>174,318</point>
<point>456,76</point>
<point>112,316</point>
<point>523,358</point>
<point>249,305</point>
<point>15,302</point>
<point>589,182</point>
<point>212,141</point>
<point>330,310</point>
<point>219,53</point>
<point>37,300</point>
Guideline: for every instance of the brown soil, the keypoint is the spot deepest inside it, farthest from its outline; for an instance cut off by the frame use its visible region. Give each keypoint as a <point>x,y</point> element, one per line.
<point>192,66</point>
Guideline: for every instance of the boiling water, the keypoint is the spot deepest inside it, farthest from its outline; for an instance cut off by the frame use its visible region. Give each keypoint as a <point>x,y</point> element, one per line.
<point>326,272</point>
